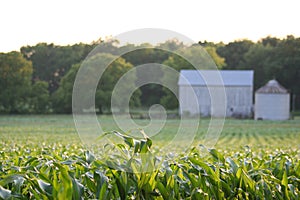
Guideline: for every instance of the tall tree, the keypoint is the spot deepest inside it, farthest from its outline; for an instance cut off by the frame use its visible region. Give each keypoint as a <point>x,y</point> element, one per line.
<point>146,53</point>
<point>15,82</point>
<point>273,58</point>
<point>62,98</point>
<point>260,59</point>
<point>234,53</point>
<point>40,98</point>
<point>288,54</point>
<point>51,62</point>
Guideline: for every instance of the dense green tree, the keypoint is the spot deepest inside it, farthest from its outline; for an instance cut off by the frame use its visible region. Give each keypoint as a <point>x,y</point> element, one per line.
<point>273,58</point>
<point>234,53</point>
<point>287,52</point>
<point>147,53</point>
<point>108,45</point>
<point>271,41</point>
<point>62,98</point>
<point>39,97</point>
<point>219,61</point>
<point>143,54</point>
<point>110,77</point>
<point>15,82</point>
<point>23,82</point>
<point>51,62</point>
<point>259,58</point>
<point>171,45</point>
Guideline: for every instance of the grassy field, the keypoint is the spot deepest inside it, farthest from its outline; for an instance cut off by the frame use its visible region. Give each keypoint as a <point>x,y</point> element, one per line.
<point>235,133</point>
<point>43,157</point>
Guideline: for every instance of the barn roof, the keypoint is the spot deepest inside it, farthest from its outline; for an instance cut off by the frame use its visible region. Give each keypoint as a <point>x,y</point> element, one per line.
<point>216,77</point>
<point>272,87</point>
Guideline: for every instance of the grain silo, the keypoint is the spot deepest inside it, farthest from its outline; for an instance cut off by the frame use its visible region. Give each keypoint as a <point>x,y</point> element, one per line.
<point>272,102</point>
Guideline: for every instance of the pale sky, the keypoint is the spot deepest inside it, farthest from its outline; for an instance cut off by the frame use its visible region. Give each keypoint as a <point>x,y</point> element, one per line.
<point>67,22</point>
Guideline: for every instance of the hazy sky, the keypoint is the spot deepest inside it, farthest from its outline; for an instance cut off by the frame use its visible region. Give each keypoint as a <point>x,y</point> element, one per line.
<point>68,22</point>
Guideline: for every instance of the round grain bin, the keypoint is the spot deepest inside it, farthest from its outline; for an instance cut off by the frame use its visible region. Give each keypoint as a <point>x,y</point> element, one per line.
<point>272,102</point>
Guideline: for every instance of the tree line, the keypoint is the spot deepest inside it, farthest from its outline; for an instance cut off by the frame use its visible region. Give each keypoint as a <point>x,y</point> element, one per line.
<point>39,79</point>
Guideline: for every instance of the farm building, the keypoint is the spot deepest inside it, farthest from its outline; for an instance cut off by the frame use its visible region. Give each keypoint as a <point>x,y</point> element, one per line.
<point>196,87</point>
<point>272,102</point>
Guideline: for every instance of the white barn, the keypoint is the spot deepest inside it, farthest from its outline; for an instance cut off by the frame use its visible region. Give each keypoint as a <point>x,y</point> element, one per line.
<point>272,102</point>
<point>231,88</point>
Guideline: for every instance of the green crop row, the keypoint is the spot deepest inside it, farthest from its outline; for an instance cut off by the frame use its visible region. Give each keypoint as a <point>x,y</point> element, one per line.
<point>58,171</point>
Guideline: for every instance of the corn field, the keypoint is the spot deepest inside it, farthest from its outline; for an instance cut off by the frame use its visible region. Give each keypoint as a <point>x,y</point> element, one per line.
<point>30,169</point>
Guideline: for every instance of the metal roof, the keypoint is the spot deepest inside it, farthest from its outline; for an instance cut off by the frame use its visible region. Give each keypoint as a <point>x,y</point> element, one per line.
<point>216,77</point>
<point>272,87</point>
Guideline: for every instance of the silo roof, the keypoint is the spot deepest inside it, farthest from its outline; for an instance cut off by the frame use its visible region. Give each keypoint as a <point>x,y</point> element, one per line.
<point>216,77</point>
<point>272,87</point>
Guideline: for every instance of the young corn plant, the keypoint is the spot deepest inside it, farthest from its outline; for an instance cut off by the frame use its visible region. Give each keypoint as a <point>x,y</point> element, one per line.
<point>133,170</point>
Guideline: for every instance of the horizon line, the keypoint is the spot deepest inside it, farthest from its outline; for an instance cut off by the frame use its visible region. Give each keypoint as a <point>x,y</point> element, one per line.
<point>123,43</point>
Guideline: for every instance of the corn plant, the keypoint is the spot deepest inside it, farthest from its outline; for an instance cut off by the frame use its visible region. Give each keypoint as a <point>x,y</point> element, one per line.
<point>62,171</point>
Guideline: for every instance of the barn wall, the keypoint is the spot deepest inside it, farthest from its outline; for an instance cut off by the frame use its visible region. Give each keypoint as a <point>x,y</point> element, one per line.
<point>272,106</point>
<point>188,104</point>
<point>239,101</point>
<point>203,98</point>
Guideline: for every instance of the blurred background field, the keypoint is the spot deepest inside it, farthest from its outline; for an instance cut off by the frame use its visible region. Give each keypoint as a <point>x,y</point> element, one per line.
<point>235,134</point>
